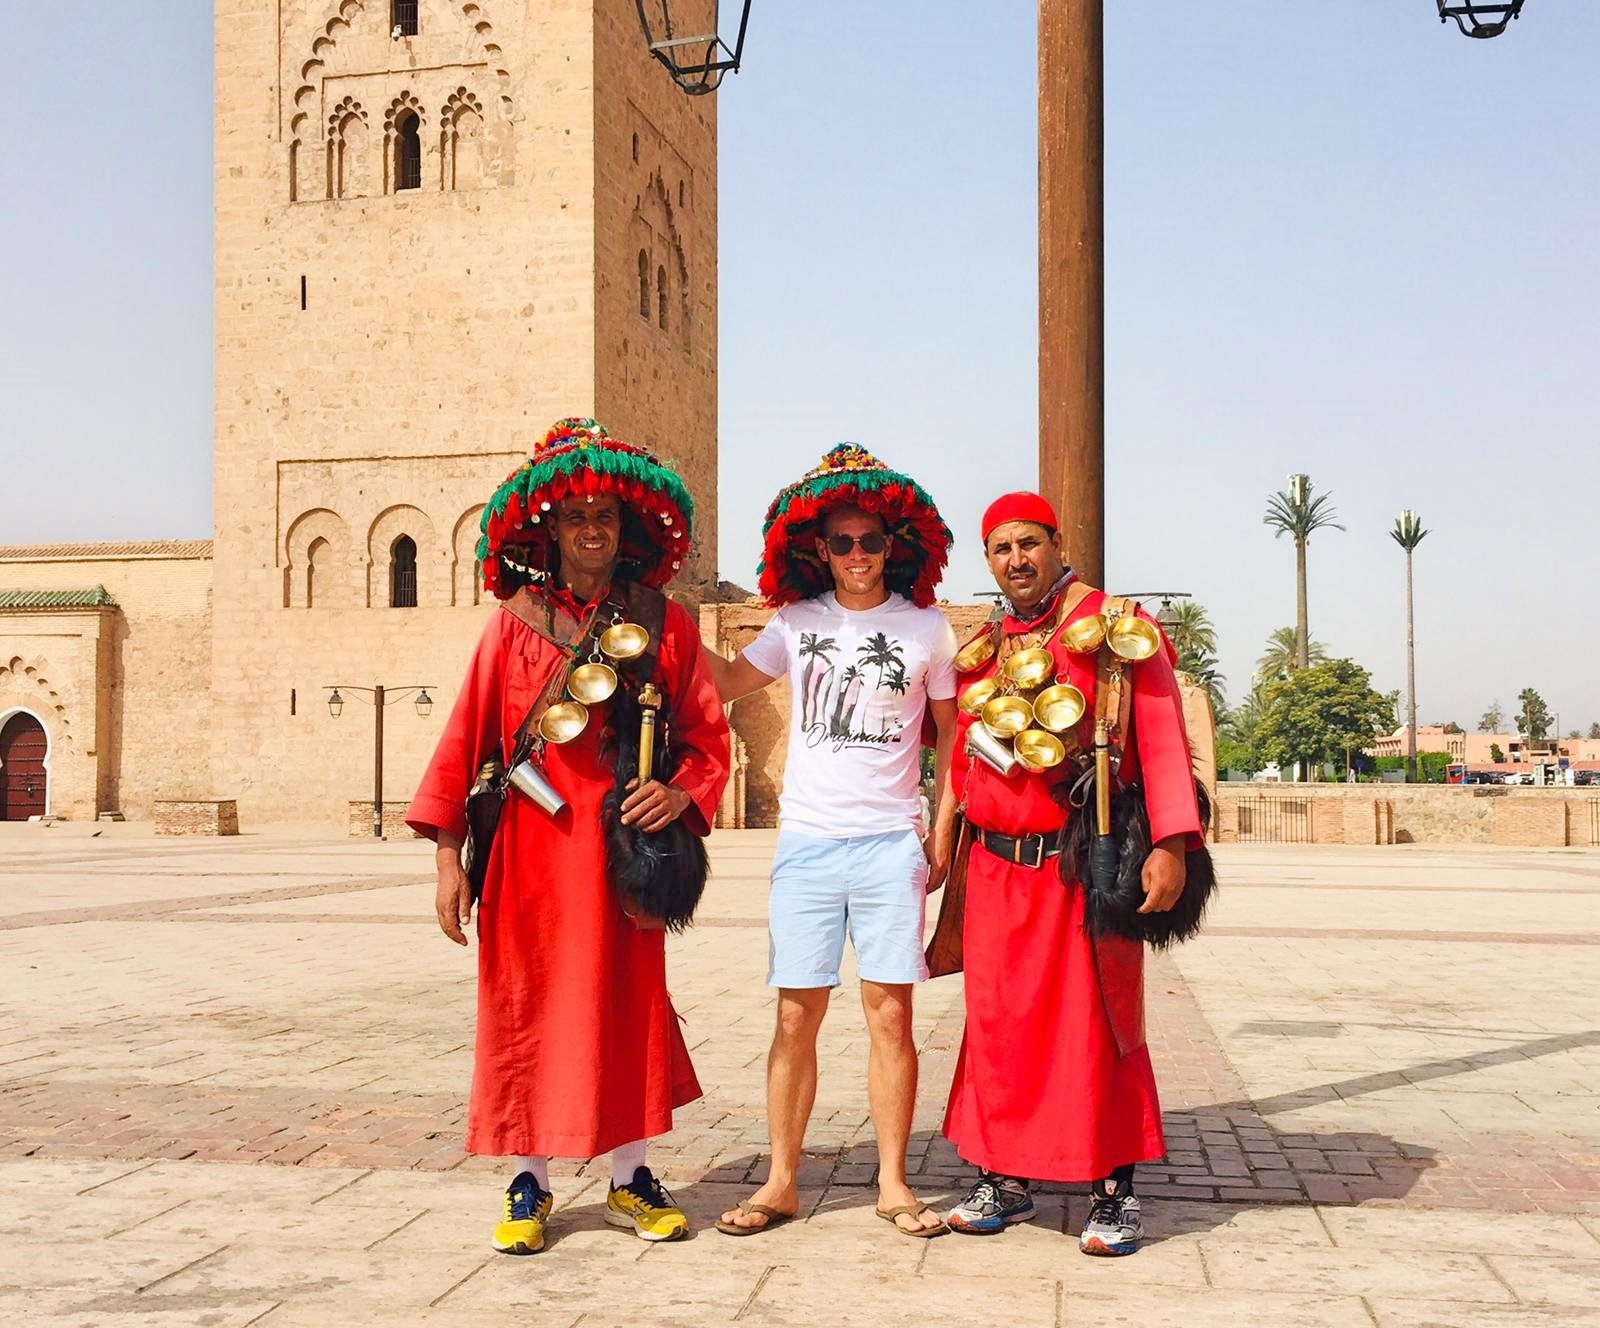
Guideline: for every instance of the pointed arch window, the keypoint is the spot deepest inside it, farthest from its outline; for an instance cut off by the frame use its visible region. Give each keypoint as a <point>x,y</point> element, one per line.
<point>316,568</point>
<point>405,18</point>
<point>644,285</point>
<point>407,151</point>
<point>661,298</point>
<point>403,573</point>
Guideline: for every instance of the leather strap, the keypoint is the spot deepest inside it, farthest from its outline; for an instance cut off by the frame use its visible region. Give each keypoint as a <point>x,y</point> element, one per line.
<point>1023,850</point>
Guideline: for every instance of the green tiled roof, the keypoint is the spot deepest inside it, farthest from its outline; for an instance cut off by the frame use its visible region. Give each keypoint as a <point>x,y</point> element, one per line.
<point>95,597</point>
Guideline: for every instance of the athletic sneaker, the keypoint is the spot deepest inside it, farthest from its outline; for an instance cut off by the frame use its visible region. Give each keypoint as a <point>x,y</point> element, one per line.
<point>1115,1226</point>
<point>644,1204</point>
<point>527,1210</point>
<point>993,1203</point>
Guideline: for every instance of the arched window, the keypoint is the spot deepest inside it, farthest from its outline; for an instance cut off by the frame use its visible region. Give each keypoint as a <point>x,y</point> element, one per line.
<point>644,285</point>
<point>316,561</point>
<point>407,152</point>
<point>403,573</point>
<point>405,18</point>
<point>661,298</point>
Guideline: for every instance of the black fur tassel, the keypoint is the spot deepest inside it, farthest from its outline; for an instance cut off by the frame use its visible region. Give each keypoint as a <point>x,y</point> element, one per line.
<point>658,876</point>
<point>1114,911</point>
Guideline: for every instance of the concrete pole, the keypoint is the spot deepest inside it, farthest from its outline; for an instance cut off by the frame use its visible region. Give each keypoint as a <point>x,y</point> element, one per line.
<point>1072,278</point>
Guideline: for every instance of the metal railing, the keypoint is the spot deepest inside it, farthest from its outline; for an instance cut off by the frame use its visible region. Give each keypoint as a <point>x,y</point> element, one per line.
<point>1274,819</point>
<point>1594,822</point>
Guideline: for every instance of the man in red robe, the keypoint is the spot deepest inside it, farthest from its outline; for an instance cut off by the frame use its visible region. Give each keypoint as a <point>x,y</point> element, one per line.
<point>578,1048</point>
<point>1053,1081</point>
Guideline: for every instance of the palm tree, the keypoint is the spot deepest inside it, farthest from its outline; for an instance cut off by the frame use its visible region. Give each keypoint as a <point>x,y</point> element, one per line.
<point>877,651</point>
<point>1295,512</point>
<point>811,647</point>
<point>1188,626</point>
<point>848,680</point>
<point>1200,667</point>
<point>1280,655</point>
<point>1408,533</point>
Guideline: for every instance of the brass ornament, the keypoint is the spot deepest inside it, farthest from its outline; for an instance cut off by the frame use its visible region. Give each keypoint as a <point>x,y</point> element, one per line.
<point>563,722</point>
<point>624,640</point>
<point>592,683</point>
<point>1038,750</point>
<point>976,653</point>
<point>1006,716</point>
<point>1085,634</point>
<point>1133,638</point>
<point>975,695</point>
<point>1029,668</point>
<point>1060,707</point>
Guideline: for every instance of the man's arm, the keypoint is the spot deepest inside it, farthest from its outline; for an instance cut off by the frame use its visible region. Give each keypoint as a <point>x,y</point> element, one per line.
<point>734,677</point>
<point>944,819</point>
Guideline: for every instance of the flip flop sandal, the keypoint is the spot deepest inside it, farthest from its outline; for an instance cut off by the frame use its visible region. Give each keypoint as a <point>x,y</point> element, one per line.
<point>773,1216</point>
<point>912,1210</point>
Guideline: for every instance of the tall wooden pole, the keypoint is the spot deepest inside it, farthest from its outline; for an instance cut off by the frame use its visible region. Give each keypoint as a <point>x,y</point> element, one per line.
<point>1072,278</point>
<point>377,766</point>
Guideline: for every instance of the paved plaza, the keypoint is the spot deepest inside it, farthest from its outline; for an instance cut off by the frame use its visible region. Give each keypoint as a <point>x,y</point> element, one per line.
<point>233,1077</point>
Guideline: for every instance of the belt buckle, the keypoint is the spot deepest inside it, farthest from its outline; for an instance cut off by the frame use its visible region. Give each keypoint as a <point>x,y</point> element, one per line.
<point>1038,856</point>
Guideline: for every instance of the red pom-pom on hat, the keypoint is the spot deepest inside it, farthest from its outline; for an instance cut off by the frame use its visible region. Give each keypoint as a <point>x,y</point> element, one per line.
<point>1019,506</point>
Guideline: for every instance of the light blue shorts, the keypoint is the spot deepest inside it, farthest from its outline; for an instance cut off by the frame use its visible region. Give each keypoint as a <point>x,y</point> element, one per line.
<point>873,887</point>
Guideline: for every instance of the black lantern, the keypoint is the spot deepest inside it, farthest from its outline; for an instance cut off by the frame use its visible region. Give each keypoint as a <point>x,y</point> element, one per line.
<point>1167,616</point>
<point>1480,20</point>
<point>424,703</point>
<point>335,703</point>
<point>697,61</point>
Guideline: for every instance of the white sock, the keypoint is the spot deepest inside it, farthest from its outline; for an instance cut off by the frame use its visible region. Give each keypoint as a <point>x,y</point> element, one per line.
<point>538,1166</point>
<point>626,1160</point>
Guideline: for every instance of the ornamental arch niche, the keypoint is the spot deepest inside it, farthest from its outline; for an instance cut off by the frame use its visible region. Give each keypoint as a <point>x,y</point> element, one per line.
<point>464,570</point>
<point>432,559</point>
<point>318,567</point>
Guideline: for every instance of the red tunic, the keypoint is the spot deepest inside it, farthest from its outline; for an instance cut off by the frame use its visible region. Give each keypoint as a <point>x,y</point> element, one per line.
<point>578,1047</point>
<point>1053,1081</point>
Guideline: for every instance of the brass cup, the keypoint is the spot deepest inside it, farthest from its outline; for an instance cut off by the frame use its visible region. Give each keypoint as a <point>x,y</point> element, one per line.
<point>1085,634</point>
<point>1029,668</point>
<point>563,722</point>
<point>592,683</point>
<point>1134,638</point>
<point>1038,750</point>
<point>976,653</point>
<point>974,695</point>
<point>1006,716</point>
<point>1058,708</point>
<point>624,640</point>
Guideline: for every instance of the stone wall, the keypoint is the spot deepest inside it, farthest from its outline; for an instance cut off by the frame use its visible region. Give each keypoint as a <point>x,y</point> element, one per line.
<point>209,816</point>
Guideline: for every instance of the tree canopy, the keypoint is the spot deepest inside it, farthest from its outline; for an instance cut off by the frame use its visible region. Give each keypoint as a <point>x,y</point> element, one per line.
<point>1278,659</point>
<point>1318,714</point>
<point>1534,718</point>
<point>1492,718</point>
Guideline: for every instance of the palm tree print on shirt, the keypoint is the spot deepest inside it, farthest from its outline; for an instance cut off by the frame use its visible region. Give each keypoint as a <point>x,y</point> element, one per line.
<point>813,647</point>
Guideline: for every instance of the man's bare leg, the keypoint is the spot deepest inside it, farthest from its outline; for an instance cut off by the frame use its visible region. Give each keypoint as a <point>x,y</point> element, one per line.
<point>791,1092</point>
<point>892,1094</point>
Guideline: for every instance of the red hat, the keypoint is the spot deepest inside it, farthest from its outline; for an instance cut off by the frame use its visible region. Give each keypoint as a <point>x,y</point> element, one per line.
<point>1019,506</point>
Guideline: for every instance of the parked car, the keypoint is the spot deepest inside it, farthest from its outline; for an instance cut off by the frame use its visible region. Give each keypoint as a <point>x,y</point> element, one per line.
<point>1586,777</point>
<point>1518,777</point>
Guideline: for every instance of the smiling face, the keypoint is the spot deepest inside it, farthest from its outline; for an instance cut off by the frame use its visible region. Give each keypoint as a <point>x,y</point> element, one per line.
<point>589,535</point>
<point>1025,560</point>
<point>855,571</point>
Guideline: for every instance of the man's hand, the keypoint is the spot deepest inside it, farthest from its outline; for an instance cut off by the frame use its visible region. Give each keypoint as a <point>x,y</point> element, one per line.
<point>653,807</point>
<point>452,901</point>
<point>1163,876</point>
<point>936,848</point>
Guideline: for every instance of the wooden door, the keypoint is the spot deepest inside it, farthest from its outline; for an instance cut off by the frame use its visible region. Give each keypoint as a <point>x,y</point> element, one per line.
<point>22,773</point>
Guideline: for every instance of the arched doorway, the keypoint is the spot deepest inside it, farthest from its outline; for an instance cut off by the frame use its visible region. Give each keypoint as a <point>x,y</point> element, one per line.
<point>24,781</point>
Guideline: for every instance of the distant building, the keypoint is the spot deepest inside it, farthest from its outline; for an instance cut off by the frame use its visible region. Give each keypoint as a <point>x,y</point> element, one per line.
<point>1474,749</point>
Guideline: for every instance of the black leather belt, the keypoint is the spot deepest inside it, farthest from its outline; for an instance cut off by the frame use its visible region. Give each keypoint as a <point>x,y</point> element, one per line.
<point>1024,850</point>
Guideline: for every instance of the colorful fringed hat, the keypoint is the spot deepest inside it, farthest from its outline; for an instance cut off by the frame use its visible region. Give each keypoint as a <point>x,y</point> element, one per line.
<point>580,457</point>
<point>850,476</point>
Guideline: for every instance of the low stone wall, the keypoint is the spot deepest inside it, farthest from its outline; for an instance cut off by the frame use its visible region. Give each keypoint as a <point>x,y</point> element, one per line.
<point>197,816</point>
<point>1406,814</point>
<point>394,820</point>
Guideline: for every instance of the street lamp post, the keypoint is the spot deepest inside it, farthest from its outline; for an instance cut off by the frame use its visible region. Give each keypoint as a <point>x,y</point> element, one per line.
<point>696,62</point>
<point>1480,20</point>
<point>381,696</point>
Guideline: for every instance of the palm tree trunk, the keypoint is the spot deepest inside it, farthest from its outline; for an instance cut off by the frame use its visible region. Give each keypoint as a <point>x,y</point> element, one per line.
<point>1302,627</point>
<point>1411,682</point>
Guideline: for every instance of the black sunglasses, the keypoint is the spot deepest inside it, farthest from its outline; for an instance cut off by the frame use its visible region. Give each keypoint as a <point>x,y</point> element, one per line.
<point>872,542</point>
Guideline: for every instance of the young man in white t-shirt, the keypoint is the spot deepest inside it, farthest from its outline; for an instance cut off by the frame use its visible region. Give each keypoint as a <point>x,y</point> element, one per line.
<point>864,665</point>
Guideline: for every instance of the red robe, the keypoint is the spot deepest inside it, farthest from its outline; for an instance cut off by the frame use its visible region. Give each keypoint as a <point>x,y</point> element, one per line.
<point>1053,1081</point>
<point>578,1047</point>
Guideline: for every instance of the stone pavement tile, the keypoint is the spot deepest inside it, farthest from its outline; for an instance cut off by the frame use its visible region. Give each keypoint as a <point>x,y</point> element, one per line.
<point>126,1266</point>
<point>1469,1232</point>
<point>1400,1273</point>
<point>1550,1281</point>
<point>84,1308</point>
<point>59,1176</point>
<point>237,1219</point>
<point>1171,1219</point>
<point>175,1180</point>
<point>788,1296</point>
<point>1470,1314</point>
<point>1105,1308</point>
<point>323,1313</point>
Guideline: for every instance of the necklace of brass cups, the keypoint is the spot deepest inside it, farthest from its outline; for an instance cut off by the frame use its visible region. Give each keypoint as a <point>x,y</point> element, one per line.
<point>592,682</point>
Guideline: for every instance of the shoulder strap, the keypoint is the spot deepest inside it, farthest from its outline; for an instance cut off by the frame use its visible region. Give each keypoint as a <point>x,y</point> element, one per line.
<point>647,607</point>
<point>523,608</point>
<point>1113,701</point>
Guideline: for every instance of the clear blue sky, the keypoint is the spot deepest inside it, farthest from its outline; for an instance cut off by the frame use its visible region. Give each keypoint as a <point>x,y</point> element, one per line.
<point>1341,239</point>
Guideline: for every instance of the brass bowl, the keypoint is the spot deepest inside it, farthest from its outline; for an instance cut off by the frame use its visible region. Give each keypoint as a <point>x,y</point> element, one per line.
<point>563,721</point>
<point>1039,750</point>
<point>1029,668</point>
<point>624,640</point>
<point>1134,638</point>
<point>1058,708</point>
<point>1085,634</point>
<point>592,683</point>
<point>976,653</point>
<point>975,694</point>
<point>1006,716</point>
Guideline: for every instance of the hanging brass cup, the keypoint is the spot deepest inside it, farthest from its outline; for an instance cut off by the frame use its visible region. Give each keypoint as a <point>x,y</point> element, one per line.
<point>1133,638</point>
<point>976,653</point>
<point>974,695</point>
<point>1058,708</point>
<point>1084,634</point>
<point>1006,716</point>
<point>563,722</point>
<point>592,683</point>
<point>624,640</point>
<point>1039,750</point>
<point>1029,668</point>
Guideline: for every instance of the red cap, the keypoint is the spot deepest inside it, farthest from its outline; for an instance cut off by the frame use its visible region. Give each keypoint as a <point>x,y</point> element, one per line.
<point>1019,506</point>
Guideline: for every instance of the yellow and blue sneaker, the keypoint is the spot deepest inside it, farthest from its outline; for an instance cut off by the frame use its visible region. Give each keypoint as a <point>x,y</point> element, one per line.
<point>644,1204</point>
<point>527,1210</point>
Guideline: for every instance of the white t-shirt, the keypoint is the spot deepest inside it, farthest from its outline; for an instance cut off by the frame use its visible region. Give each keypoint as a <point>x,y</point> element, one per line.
<point>859,681</point>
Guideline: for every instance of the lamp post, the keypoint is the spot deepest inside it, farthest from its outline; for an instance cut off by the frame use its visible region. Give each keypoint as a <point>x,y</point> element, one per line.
<point>1480,20</point>
<point>698,62</point>
<point>381,696</point>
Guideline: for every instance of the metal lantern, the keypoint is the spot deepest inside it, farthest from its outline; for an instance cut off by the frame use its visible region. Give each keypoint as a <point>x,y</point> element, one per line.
<point>696,61</point>
<point>424,703</point>
<point>1480,20</point>
<point>335,703</point>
